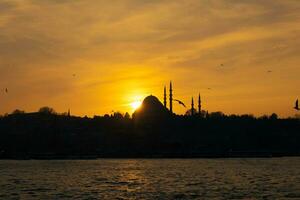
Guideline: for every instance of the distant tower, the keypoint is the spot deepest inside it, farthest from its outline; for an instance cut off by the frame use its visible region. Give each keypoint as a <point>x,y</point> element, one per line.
<point>192,111</point>
<point>165,97</point>
<point>171,97</point>
<point>69,113</point>
<point>199,104</point>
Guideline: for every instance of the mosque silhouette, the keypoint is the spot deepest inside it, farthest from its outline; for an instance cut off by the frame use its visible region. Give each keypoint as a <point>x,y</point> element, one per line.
<point>151,106</point>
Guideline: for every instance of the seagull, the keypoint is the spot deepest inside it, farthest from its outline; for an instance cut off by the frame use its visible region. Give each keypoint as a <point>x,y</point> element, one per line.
<point>269,71</point>
<point>180,102</point>
<point>6,90</point>
<point>297,105</point>
<point>74,75</point>
<point>209,88</point>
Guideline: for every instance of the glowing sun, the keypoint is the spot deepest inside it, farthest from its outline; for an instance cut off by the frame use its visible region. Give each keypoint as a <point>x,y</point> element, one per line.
<point>136,104</point>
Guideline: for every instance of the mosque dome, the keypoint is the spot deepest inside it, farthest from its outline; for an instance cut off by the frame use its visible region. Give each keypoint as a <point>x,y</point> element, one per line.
<point>151,108</point>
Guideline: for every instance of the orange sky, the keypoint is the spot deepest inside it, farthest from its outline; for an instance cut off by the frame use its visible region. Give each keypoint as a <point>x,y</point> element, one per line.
<point>121,51</point>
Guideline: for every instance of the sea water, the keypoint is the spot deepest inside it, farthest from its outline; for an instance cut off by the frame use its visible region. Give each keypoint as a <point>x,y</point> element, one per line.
<point>247,178</point>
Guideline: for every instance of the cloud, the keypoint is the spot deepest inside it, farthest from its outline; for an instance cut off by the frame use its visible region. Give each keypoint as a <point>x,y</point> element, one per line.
<point>42,42</point>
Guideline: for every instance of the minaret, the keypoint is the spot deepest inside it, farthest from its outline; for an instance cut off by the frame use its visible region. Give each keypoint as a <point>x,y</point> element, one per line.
<point>199,104</point>
<point>171,97</point>
<point>192,111</point>
<point>69,113</point>
<point>165,97</point>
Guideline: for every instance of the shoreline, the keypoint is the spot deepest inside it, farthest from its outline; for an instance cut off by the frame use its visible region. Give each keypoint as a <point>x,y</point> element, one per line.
<point>146,157</point>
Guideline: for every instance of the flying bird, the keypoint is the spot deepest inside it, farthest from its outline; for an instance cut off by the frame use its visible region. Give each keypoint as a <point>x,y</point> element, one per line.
<point>269,71</point>
<point>6,90</point>
<point>180,102</point>
<point>297,105</point>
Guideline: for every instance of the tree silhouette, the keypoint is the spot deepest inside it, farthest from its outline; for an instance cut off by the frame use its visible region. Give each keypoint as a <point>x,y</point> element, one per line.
<point>46,110</point>
<point>18,112</point>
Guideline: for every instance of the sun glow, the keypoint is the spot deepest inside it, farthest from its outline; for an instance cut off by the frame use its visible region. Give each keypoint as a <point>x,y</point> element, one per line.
<point>136,104</point>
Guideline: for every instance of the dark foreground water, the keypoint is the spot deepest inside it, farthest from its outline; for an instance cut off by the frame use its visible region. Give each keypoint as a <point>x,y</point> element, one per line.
<point>276,178</point>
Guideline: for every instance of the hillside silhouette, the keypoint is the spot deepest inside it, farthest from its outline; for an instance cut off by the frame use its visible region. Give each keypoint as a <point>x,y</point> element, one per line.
<point>152,131</point>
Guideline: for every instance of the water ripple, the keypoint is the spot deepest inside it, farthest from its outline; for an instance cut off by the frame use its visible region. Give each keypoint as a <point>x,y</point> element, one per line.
<point>277,178</point>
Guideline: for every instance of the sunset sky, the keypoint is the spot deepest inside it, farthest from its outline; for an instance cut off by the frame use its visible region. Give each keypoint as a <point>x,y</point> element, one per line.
<point>95,56</point>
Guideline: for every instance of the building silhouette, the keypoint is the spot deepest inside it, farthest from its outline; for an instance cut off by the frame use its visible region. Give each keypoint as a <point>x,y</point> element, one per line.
<point>171,98</point>
<point>151,110</point>
<point>192,109</point>
<point>199,104</point>
<point>165,97</point>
